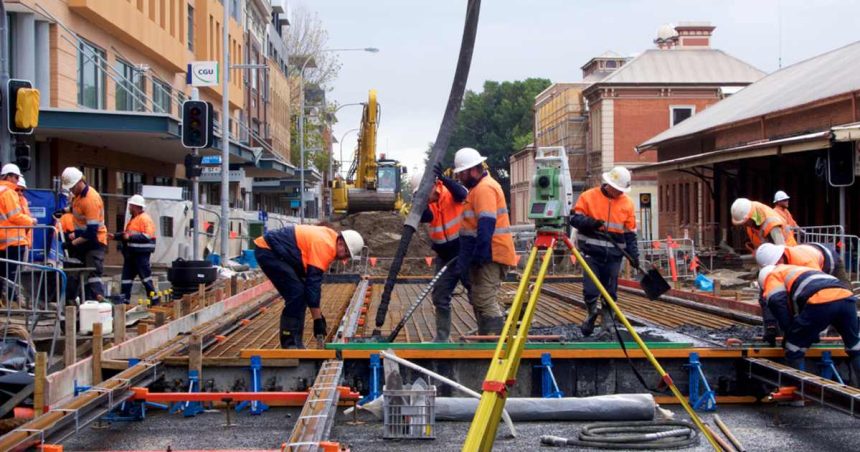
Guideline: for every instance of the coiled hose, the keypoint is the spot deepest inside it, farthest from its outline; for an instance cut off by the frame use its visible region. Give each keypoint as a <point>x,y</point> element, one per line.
<point>640,435</point>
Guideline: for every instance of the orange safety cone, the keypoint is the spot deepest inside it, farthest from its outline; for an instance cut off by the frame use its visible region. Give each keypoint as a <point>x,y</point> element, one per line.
<point>373,262</point>
<point>572,259</point>
<point>429,261</point>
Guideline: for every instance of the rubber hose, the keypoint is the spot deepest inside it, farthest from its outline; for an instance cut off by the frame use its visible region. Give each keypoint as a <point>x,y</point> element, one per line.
<point>640,435</point>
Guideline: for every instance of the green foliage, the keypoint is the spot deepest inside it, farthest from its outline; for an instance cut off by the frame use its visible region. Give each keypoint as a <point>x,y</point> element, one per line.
<point>497,122</point>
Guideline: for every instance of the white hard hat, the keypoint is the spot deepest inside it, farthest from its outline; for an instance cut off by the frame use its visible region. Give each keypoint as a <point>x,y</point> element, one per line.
<point>618,178</point>
<point>780,196</point>
<point>137,200</point>
<point>769,254</point>
<point>741,209</point>
<point>11,168</point>
<point>354,242</point>
<point>22,182</point>
<point>763,274</point>
<point>467,158</point>
<point>70,177</point>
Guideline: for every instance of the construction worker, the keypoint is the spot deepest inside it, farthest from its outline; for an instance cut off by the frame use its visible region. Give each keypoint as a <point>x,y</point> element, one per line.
<point>443,213</point>
<point>817,256</point>
<point>601,214</point>
<point>486,243</point>
<point>780,205</point>
<point>137,243</point>
<point>25,207</point>
<point>66,227</point>
<point>804,302</point>
<point>89,239</point>
<point>762,224</point>
<point>13,241</point>
<point>295,258</point>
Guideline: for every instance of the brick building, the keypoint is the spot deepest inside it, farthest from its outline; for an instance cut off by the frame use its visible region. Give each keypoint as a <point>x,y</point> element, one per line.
<point>773,135</point>
<point>632,100</point>
<point>561,120</point>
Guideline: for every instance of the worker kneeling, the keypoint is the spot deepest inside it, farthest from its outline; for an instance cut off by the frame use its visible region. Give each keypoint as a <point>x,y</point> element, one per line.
<point>137,243</point>
<point>295,258</point>
<point>804,302</point>
<point>486,243</point>
<point>601,214</point>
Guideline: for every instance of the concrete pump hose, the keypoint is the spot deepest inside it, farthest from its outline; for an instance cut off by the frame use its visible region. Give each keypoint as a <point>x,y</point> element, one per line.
<point>639,435</point>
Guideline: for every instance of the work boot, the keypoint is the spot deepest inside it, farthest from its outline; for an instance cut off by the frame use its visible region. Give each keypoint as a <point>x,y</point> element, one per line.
<point>291,332</point>
<point>607,317</point>
<point>855,371</point>
<point>443,325</point>
<point>493,325</point>
<point>588,324</point>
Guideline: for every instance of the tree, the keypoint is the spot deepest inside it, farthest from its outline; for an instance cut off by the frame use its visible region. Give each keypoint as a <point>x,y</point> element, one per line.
<point>306,38</point>
<point>497,122</point>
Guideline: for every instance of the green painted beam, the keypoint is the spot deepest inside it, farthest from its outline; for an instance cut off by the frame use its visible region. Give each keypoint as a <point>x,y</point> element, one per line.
<point>492,346</point>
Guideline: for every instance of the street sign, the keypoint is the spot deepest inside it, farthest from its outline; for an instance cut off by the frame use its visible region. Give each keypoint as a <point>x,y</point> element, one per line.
<point>211,160</point>
<point>202,73</point>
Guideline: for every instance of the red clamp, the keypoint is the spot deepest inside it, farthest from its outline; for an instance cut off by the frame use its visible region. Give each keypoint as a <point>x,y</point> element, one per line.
<point>495,386</point>
<point>666,381</point>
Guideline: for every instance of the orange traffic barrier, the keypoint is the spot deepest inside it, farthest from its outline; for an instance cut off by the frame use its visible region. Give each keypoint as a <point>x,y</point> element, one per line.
<point>245,322</point>
<point>373,262</point>
<point>429,261</point>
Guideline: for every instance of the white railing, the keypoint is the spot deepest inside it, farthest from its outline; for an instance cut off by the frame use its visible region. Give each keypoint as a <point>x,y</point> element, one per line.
<point>675,258</point>
<point>848,246</point>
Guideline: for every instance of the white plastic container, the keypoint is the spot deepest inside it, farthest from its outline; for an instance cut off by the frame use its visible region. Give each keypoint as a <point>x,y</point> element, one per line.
<point>92,312</point>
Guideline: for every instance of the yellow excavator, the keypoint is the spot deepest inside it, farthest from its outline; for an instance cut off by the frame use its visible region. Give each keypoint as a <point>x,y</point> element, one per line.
<point>371,184</point>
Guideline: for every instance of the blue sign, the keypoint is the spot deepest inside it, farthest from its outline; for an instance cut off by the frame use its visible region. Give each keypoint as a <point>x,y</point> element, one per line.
<point>212,160</point>
<point>294,204</point>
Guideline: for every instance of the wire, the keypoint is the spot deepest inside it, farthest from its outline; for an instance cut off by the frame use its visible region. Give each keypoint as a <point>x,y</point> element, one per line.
<point>636,435</point>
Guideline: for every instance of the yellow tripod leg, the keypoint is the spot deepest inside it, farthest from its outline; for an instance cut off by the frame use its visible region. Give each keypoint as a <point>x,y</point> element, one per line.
<point>665,376</point>
<point>506,359</point>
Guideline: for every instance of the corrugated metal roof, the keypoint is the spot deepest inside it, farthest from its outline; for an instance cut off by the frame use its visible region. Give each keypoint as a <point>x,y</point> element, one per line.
<point>683,65</point>
<point>827,75</point>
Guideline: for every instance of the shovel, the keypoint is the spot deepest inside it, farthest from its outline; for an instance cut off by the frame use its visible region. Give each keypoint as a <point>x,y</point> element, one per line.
<point>651,281</point>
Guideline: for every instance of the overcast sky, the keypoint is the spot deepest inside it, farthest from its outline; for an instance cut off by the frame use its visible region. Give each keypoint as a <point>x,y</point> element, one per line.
<point>419,41</point>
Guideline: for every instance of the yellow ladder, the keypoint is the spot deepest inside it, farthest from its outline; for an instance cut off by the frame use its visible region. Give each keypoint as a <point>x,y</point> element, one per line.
<point>506,359</point>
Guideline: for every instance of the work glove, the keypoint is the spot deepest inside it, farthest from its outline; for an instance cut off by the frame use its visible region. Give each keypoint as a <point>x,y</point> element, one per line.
<point>596,224</point>
<point>320,326</point>
<point>59,213</point>
<point>438,170</point>
<point>769,335</point>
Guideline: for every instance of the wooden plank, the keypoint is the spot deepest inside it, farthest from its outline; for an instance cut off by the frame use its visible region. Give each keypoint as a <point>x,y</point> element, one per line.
<point>118,324</point>
<point>114,364</point>
<point>70,353</point>
<point>159,318</point>
<point>39,383</point>
<point>98,347</point>
<point>219,361</point>
<point>195,355</point>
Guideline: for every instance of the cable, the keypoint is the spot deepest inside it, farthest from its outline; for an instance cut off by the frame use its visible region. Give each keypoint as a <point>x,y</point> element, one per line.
<point>637,435</point>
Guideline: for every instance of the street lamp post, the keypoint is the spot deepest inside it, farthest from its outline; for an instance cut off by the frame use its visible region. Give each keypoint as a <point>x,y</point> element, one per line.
<point>342,137</point>
<point>225,134</point>
<point>302,123</point>
<point>331,162</point>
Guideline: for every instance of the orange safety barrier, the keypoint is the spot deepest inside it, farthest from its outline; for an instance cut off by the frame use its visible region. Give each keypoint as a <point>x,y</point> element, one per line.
<point>372,261</point>
<point>429,261</point>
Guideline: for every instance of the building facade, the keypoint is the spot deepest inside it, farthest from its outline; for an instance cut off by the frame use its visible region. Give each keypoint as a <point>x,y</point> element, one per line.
<point>522,169</point>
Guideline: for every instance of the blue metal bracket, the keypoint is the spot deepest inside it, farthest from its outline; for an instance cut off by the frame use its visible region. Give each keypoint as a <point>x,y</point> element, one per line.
<point>828,368</point>
<point>375,368</point>
<point>549,387</point>
<point>705,401</point>
<point>257,407</point>
<point>189,409</point>
<point>129,410</point>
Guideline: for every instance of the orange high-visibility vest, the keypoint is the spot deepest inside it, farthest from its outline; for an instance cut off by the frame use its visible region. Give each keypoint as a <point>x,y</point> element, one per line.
<point>12,214</point>
<point>804,256</point>
<point>318,245</point>
<point>804,285</point>
<point>486,200</point>
<point>447,213</point>
<point>88,209</point>
<point>67,223</point>
<point>143,225</point>
<point>617,214</point>
<point>25,207</point>
<point>766,220</point>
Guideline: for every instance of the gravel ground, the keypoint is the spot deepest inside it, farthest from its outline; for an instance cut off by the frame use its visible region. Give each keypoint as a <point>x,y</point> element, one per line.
<point>759,428</point>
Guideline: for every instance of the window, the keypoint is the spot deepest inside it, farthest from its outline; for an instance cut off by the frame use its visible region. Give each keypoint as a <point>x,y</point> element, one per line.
<point>165,226</point>
<point>91,76</point>
<point>611,64</point>
<point>164,181</point>
<point>678,114</point>
<point>130,88</point>
<point>129,183</point>
<point>181,98</point>
<point>190,28</point>
<point>161,97</point>
<point>96,177</point>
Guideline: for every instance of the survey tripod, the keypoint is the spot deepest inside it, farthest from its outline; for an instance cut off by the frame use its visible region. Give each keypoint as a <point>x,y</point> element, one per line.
<point>506,359</point>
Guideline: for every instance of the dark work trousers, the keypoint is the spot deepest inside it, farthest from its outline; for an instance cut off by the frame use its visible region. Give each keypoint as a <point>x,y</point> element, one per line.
<point>805,328</point>
<point>445,285</point>
<point>134,265</point>
<point>285,279</point>
<point>73,278</point>
<point>9,270</point>
<point>94,258</point>
<point>606,269</point>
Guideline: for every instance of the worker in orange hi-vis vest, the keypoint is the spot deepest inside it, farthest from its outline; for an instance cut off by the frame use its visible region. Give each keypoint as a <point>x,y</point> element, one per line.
<point>486,243</point>
<point>780,205</point>
<point>138,243</point>
<point>25,207</point>
<point>444,214</point>
<point>89,240</point>
<point>13,241</point>
<point>762,224</point>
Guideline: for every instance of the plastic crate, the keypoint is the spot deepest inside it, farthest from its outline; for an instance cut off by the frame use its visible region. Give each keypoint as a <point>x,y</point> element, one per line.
<point>409,413</point>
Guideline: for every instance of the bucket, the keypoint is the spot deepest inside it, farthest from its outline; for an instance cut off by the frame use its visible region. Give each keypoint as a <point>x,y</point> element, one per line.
<point>92,312</point>
<point>249,258</point>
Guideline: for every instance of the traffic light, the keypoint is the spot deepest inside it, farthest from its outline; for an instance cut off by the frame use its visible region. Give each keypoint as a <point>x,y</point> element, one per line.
<point>23,107</point>
<point>840,164</point>
<point>22,156</point>
<point>197,126</point>
<point>193,166</point>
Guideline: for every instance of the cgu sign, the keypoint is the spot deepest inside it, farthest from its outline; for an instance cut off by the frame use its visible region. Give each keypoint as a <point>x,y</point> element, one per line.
<point>202,73</point>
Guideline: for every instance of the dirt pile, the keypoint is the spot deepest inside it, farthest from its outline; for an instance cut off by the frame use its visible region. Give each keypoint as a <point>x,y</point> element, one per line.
<point>382,232</point>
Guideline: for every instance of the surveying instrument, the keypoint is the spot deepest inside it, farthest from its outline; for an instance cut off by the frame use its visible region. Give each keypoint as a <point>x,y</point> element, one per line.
<point>550,204</point>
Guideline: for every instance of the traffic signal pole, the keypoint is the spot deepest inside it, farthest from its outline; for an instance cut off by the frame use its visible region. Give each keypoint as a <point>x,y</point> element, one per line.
<point>5,135</point>
<point>195,198</point>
